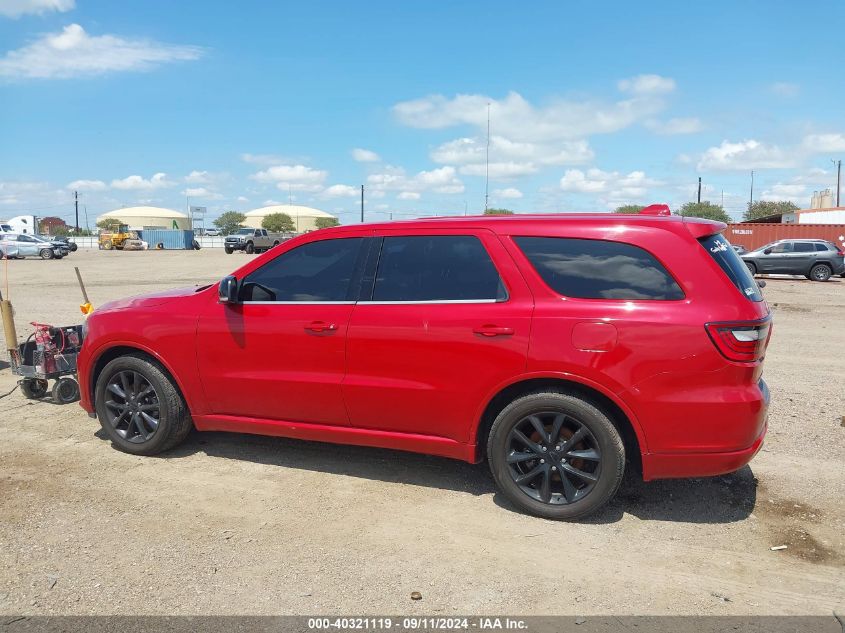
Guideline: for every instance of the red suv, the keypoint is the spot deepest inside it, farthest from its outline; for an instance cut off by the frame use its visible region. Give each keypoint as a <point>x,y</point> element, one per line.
<point>558,347</point>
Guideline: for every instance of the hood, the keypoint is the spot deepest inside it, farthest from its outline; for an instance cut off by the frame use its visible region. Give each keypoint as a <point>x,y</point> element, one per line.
<point>153,299</point>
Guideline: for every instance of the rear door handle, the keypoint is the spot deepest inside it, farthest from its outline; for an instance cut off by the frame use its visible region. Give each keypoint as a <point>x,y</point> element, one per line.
<point>493,330</point>
<point>321,326</point>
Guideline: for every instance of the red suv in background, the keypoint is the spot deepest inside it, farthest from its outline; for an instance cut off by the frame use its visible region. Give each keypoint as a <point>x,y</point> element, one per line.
<point>557,347</point>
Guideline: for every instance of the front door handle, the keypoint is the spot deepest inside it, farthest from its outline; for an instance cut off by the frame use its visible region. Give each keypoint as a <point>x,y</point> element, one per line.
<point>321,326</point>
<point>493,330</point>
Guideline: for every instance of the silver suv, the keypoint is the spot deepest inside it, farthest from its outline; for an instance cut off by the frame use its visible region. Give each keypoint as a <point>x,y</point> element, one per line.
<point>13,245</point>
<point>815,259</point>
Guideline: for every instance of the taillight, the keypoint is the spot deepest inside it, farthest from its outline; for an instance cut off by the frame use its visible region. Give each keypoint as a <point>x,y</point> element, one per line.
<point>741,341</point>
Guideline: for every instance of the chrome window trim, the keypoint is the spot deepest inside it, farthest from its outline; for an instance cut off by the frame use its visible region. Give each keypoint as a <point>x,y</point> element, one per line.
<point>298,303</point>
<point>431,301</point>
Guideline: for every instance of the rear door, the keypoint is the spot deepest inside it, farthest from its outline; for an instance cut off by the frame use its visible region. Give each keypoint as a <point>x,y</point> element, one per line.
<point>801,259</point>
<point>440,330</point>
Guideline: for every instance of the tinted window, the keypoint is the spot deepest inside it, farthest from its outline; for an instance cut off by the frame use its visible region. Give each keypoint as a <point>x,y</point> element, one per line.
<point>317,271</point>
<point>783,247</point>
<point>736,270</point>
<point>596,269</point>
<point>821,247</point>
<point>804,247</point>
<point>436,268</point>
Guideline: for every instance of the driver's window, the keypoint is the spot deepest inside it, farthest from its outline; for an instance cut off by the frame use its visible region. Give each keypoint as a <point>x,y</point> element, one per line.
<point>25,238</point>
<point>314,272</point>
<point>783,247</point>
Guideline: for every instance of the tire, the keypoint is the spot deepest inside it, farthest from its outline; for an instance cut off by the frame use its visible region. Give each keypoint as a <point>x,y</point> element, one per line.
<point>136,434</point>
<point>65,390</point>
<point>73,247</point>
<point>46,253</point>
<point>751,268</point>
<point>275,244</point>
<point>108,246</point>
<point>599,463</point>
<point>34,388</point>
<point>228,250</point>
<point>195,245</point>
<point>820,272</point>
<point>249,248</point>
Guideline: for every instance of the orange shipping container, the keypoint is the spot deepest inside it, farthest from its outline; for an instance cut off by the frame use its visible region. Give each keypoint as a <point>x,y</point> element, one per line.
<point>751,235</point>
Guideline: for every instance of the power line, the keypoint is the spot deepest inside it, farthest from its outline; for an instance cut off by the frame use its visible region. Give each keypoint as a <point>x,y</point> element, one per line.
<point>487,165</point>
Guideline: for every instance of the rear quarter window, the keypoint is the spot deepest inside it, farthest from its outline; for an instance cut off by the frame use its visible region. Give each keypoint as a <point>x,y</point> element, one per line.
<point>720,250</point>
<point>599,269</point>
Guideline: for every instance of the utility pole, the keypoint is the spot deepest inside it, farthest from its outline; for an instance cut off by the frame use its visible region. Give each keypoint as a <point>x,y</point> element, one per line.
<point>487,164</point>
<point>76,207</point>
<point>838,164</point>
<point>362,203</point>
<point>699,190</point>
<point>751,199</point>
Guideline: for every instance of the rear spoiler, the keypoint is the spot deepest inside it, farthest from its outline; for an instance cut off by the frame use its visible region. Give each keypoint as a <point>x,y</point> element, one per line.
<point>699,227</point>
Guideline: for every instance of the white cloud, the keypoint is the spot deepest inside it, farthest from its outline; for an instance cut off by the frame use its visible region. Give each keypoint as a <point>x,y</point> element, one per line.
<point>292,177</point>
<point>527,137</point>
<point>824,143</point>
<point>74,53</point>
<point>23,193</point>
<point>87,185</point>
<point>509,158</point>
<point>365,155</point>
<point>784,191</point>
<point>341,191</point>
<point>17,8</point>
<point>134,182</point>
<point>508,193</point>
<point>785,89</point>
<point>242,199</point>
<point>617,186</point>
<point>263,159</point>
<point>441,180</point>
<point>688,125</point>
<point>201,192</point>
<point>647,85</point>
<point>745,155</point>
<point>199,178</point>
<point>408,195</point>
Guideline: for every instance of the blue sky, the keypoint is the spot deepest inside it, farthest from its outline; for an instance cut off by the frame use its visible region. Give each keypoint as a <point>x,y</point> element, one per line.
<point>244,104</point>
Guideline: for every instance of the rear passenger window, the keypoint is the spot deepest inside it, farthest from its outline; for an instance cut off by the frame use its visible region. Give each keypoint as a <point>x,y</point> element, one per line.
<point>804,247</point>
<point>822,248</point>
<point>598,269</point>
<point>436,268</point>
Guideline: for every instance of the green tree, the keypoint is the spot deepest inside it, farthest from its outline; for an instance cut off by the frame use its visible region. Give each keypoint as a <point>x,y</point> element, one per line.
<point>278,223</point>
<point>763,208</point>
<point>110,224</point>
<point>229,222</point>
<point>706,210</point>
<point>498,212</point>
<point>324,223</point>
<point>629,208</point>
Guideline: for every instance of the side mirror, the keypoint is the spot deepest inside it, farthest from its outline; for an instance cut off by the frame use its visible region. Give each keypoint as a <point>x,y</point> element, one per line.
<point>761,283</point>
<point>227,292</point>
<point>768,251</point>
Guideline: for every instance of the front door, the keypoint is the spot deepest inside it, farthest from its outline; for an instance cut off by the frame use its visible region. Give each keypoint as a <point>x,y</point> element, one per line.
<point>441,328</point>
<point>777,261</point>
<point>279,353</point>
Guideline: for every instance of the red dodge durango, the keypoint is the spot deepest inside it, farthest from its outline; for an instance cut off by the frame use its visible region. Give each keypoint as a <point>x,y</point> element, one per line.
<point>563,349</point>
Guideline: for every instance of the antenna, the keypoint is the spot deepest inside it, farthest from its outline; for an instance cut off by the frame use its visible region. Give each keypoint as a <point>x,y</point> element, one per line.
<point>487,163</point>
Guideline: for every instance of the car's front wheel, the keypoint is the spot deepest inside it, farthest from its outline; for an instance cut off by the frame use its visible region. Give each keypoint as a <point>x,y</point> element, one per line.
<point>556,455</point>
<point>249,248</point>
<point>46,253</point>
<point>140,407</point>
<point>820,272</point>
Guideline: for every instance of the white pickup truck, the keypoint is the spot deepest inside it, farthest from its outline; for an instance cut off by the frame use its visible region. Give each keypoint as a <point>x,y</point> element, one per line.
<point>253,241</point>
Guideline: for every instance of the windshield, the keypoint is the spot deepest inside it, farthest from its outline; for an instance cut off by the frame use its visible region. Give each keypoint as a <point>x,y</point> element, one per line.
<point>244,232</point>
<point>764,247</point>
<point>720,250</point>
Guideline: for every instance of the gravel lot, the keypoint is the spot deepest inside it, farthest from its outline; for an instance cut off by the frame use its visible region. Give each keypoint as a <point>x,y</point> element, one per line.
<point>235,524</point>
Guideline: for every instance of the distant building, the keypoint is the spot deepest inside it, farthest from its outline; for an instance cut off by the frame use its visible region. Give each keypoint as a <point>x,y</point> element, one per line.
<point>140,218</point>
<point>822,199</point>
<point>303,217</point>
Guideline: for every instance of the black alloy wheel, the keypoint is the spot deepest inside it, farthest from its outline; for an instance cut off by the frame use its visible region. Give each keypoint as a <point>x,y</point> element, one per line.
<point>134,409</point>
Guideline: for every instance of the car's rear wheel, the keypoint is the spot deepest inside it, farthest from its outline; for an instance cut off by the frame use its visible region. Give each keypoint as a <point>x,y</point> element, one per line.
<point>820,272</point>
<point>556,455</point>
<point>751,268</point>
<point>139,406</point>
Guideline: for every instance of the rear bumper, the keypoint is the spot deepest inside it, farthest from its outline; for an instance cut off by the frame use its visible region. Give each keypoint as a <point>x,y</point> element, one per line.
<point>678,465</point>
<point>671,465</point>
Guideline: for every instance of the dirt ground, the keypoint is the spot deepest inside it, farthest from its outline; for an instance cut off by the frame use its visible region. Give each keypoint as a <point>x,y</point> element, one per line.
<point>236,524</point>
